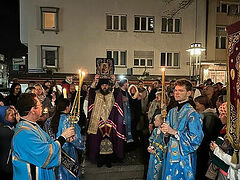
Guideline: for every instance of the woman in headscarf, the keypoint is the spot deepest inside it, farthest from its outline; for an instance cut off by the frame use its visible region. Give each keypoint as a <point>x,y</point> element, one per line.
<point>221,173</point>
<point>8,119</point>
<point>233,172</point>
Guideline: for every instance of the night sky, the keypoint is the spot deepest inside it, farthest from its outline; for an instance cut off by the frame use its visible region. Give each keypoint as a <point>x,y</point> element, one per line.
<point>10,44</point>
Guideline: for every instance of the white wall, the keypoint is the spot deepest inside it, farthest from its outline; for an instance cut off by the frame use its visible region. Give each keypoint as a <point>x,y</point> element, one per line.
<point>83,38</point>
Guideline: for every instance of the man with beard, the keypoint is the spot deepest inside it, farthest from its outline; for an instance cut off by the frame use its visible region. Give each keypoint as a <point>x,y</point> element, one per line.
<point>106,129</point>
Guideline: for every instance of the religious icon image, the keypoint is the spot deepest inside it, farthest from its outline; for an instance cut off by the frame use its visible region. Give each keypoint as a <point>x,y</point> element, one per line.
<point>104,67</point>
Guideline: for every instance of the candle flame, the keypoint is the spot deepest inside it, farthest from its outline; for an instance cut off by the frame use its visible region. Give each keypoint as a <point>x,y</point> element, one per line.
<point>163,69</point>
<point>83,73</point>
<point>79,71</point>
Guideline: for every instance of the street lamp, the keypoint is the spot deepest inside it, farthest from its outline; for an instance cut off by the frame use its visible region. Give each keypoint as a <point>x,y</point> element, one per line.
<point>195,50</point>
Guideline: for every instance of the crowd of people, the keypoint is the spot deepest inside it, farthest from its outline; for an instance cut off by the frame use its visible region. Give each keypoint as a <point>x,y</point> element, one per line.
<point>39,140</point>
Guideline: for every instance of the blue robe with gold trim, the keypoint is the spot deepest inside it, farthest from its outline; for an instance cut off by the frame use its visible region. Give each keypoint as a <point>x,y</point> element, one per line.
<point>69,147</point>
<point>156,159</point>
<point>181,157</point>
<point>35,154</point>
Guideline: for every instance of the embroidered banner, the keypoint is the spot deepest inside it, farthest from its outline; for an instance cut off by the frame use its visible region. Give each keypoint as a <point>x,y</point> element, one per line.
<point>233,61</point>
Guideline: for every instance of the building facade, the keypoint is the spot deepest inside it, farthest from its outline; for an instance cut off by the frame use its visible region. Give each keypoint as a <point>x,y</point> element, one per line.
<point>221,13</point>
<point>142,36</point>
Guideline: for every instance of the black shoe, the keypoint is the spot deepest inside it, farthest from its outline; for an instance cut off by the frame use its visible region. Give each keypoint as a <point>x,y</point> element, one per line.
<point>109,164</point>
<point>99,164</point>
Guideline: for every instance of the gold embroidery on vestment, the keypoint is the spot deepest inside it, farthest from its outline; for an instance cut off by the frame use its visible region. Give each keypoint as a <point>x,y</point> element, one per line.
<point>102,108</point>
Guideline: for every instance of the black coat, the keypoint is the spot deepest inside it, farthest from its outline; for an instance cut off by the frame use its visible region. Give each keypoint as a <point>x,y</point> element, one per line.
<point>6,134</point>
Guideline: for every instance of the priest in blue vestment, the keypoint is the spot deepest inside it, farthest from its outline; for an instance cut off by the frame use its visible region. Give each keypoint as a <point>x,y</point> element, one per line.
<point>35,154</point>
<point>184,128</point>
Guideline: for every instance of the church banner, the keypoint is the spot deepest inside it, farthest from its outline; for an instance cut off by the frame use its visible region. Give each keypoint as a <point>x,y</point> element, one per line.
<point>233,93</point>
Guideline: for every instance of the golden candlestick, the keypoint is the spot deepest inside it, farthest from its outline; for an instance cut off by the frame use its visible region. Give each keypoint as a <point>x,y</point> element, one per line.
<point>75,111</point>
<point>163,98</point>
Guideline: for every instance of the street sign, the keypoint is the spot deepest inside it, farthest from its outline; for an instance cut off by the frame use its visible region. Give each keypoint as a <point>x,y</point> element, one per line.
<point>18,61</point>
<point>18,64</point>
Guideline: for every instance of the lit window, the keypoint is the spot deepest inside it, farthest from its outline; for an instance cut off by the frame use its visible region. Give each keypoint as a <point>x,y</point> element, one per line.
<point>49,19</point>
<point>120,57</point>
<point>169,59</point>
<point>171,25</point>
<point>116,22</point>
<point>144,23</point>
<point>49,56</point>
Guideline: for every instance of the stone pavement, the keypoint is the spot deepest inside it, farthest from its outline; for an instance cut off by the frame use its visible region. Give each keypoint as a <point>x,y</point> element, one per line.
<point>131,168</point>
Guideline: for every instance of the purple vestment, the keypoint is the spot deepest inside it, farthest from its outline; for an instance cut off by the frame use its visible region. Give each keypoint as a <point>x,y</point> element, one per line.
<point>115,119</point>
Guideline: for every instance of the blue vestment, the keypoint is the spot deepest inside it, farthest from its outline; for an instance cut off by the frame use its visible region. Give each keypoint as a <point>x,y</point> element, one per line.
<point>34,152</point>
<point>127,118</point>
<point>181,157</point>
<point>70,148</point>
<point>156,159</point>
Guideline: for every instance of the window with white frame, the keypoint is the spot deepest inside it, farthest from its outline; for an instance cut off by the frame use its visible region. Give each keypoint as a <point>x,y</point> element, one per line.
<point>170,59</point>
<point>223,7</point>
<point>171,25</point>
<point>119,56</point>
<point>144,23</point>
<point>229,8</point>
<point>49,56</point>
<point>143,58</point>
<point>221,38</point>
<point>49,19</point>
<point>116,22</point>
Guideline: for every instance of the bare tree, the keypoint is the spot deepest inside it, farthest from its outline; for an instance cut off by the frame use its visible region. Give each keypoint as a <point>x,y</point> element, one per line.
<point>175,6</point>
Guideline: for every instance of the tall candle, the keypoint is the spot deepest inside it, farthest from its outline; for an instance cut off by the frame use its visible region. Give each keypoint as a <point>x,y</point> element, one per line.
<point>79,77</point>
<point>64,93</point>
<point>163,86</point>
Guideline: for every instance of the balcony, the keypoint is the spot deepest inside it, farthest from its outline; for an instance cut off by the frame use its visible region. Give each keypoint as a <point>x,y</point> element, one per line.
<point>224,19</point>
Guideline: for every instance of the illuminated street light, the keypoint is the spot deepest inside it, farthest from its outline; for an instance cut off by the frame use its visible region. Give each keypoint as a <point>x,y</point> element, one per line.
<point>121,77</point>
<point>195,52</point>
